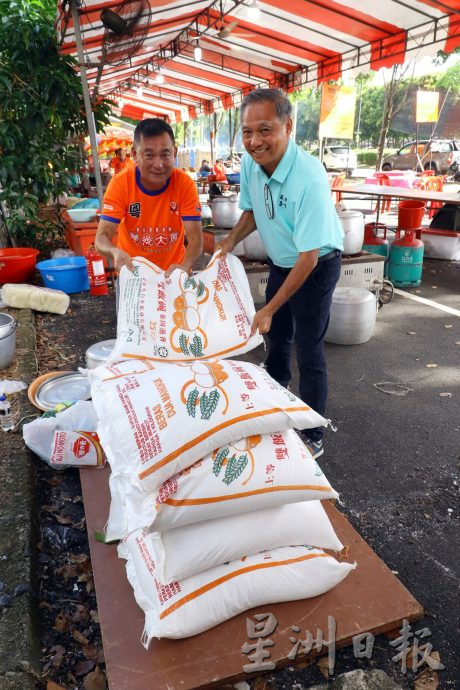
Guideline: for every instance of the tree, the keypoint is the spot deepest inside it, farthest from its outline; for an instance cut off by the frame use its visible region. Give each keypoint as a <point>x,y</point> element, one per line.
<point>41,118</point>
<point>395,93</point>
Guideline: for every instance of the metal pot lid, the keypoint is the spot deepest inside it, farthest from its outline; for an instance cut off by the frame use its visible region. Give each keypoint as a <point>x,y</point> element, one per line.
<point>101,351</point>
<point>232,199</point>
<point>352,295</point>
<point>68,387</point>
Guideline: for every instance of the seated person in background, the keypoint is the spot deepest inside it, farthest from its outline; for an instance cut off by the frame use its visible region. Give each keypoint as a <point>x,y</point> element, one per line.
<point>120,161</point>
<point>219,170</point>
<point>191,173</point>
<point>205,167</point>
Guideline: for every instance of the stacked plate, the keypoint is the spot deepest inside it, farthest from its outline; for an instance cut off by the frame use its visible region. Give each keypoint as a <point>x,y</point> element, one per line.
<point>58,387</point>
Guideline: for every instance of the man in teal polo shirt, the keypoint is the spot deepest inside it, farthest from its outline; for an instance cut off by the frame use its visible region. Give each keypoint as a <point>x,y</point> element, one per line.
<point>285,194</point>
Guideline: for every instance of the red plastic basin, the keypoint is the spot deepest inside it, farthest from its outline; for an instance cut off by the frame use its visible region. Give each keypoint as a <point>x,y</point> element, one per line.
<point>17,264</point>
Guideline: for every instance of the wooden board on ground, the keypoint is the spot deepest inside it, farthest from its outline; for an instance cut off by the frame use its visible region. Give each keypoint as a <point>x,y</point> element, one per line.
<point>370,599</point>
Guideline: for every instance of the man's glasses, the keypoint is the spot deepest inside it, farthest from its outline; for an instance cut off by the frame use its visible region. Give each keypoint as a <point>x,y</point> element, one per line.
<point>269,205</point>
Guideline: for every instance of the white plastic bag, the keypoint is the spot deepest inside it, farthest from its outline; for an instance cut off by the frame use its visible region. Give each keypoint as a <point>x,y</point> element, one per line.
<point>182,317</point>
<point>186,551</point>
<point>40,435</point>
<point>162,420</point>
<point>189,607</point>
<point>275,469</point>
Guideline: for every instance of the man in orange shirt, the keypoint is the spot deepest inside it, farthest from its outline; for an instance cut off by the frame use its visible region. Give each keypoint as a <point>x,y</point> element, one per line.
<point>153,206</point>
<point>120,161</point>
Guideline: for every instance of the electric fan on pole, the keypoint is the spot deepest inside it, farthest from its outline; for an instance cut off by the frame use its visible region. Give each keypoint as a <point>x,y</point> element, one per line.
<point>125,31</point>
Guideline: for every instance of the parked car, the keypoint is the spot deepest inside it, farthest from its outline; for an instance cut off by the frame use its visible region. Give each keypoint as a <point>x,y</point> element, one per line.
<point>338,158</point>
<point>440,155</point>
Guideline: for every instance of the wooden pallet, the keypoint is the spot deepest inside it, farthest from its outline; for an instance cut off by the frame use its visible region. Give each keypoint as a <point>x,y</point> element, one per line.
<point>370,599</point>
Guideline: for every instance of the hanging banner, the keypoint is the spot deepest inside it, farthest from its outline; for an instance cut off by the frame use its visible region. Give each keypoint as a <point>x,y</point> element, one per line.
<point>427,106</point>
<point>337,114</point>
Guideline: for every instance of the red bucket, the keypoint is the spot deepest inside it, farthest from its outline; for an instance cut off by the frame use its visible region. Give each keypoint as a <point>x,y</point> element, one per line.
<point>17,264</point>
<point>410,214</point>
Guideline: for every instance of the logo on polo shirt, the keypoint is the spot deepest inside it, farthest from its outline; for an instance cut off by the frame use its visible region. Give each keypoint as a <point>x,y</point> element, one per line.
<point>135,210</point>
<point>282,201</point>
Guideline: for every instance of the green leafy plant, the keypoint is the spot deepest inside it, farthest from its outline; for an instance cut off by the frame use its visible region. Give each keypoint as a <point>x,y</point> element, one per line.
<point>42,118</point>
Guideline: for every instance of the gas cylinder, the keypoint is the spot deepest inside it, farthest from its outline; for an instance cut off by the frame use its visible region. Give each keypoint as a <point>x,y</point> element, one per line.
<point>96,272</point>
<point>373,243</point>
<point>405,262</point>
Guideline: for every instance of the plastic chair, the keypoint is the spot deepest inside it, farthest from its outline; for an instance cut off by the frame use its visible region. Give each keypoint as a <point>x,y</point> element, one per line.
<point>337,182</point>
<point>433,184</point>
<point>383,203</point>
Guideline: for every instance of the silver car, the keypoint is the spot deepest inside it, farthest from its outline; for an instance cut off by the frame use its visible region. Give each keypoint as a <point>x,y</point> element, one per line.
<point>338,158</point>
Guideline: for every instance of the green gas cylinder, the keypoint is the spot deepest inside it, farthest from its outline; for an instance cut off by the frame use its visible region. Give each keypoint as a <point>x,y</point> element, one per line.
<point>405,262</point>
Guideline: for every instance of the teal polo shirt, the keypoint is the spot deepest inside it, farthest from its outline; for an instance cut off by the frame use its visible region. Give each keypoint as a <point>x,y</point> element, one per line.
<point>293,208</point>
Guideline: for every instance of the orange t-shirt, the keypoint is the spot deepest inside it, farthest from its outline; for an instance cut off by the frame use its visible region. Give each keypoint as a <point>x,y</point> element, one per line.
<point>119,165</point>
<point>151,221</point>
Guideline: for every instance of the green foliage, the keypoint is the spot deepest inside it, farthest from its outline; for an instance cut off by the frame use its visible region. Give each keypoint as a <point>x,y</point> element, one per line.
<point>451,80</point>
<point>41,114</point>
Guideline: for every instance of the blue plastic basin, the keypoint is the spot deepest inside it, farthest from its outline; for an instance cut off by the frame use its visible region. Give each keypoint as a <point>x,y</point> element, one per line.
<point>66,273</point>
<point>233,178</point>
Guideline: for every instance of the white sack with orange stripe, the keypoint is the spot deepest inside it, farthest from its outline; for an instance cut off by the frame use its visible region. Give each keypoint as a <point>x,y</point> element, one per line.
<point>191,606</point>
<point>182,317</point>
<point>249,474</point>
<point>189,550</point>
<point>158,418</point>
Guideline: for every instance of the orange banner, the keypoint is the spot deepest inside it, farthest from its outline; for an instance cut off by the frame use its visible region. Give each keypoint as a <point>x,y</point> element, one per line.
<point>337,114</point>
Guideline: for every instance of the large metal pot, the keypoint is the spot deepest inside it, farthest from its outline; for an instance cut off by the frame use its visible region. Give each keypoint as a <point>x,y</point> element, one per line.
<point>353,316</point>
<point>254,249</point>
<point>225,211</point>
<point>7,340</point>
<point>353,229</point>
<point>98,354</point>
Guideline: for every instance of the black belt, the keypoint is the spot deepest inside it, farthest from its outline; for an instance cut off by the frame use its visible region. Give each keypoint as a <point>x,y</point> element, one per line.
<point>326,257</point>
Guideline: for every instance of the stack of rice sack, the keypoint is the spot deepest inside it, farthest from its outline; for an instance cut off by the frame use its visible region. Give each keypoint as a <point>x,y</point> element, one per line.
<point>213,494</point>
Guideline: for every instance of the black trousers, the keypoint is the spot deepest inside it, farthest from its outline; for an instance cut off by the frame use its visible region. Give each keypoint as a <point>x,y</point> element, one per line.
<point>304,320</point>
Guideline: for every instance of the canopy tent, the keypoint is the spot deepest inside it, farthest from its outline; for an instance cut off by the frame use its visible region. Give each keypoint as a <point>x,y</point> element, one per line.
<point>303,42</point>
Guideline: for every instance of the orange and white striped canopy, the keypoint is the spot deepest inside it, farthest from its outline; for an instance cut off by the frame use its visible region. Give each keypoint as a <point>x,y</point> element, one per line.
<point>293,43</point>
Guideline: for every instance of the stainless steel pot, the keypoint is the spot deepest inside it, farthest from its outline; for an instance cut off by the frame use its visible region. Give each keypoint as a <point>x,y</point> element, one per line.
<point>254,249</point>
<point>353,230</point>
<point>7,340</point>
<point>353,316</point>
<point>98,354</point>
<point>225,211</point>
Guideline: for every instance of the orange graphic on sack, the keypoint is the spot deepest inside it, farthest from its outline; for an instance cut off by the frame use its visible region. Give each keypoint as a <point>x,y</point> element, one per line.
<point>236,463</point>
<point>207,376</point>
<point>186,317</point>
